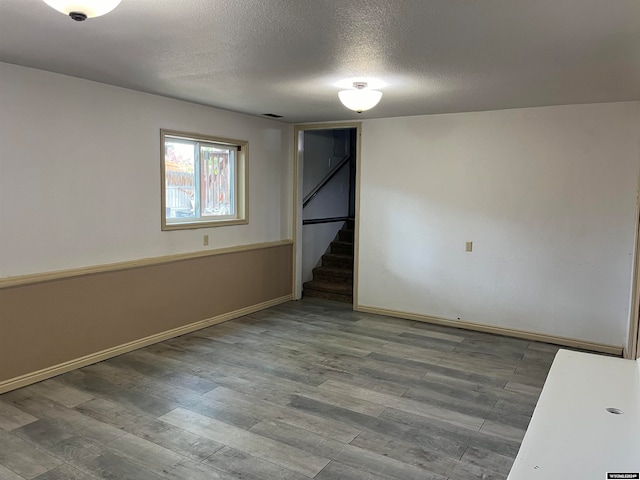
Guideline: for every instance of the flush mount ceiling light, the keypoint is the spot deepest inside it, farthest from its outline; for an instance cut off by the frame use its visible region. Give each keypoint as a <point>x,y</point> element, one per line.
<point>80,10</point>
<point>360,98</point>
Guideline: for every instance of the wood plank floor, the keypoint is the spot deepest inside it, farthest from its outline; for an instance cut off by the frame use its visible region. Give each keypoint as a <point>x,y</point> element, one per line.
<point>308,389</point>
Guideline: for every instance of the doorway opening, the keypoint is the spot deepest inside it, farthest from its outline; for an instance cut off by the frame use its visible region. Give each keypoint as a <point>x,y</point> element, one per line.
<point>326,210</point>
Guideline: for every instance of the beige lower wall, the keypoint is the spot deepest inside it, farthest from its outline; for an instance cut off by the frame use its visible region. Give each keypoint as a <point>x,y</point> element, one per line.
<point>53,322</point>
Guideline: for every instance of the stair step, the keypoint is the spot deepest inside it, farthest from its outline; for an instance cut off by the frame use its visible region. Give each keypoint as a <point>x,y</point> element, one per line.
<point>333,280</point>
<point>343,288</point>
<point>349,225</point>
<point>330,291</point>
<point>336,297</point>
<point>345,248</point>
<point>345,235</point>
<point>337,260</point>
<point>332,274</point>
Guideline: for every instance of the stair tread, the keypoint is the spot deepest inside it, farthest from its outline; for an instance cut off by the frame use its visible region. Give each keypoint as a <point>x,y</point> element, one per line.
<point>341,288</point>
<point>339,260</point>
<point>349,225</point>
<point>338,272</point>
<point>342,242</point>
<point>343,256</point>
<point>346,235</point>
<point>336,297</point>
<point>333,279</point>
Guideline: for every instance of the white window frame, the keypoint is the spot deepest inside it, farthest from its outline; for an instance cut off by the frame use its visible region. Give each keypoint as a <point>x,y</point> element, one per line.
<point>240,178</point>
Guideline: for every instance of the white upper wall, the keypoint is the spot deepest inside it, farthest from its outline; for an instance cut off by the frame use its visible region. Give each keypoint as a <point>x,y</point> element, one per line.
<point>317,159</point>
<point>80,173</point>
<point>547,195</point>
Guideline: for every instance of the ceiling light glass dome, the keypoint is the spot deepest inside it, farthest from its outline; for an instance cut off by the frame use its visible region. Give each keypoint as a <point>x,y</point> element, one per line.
<point>360,98</point>
<point>83,9</point>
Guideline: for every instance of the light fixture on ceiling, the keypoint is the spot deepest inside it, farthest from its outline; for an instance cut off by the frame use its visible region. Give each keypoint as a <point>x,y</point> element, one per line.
<point>80,10</point>
<point>360,98</point>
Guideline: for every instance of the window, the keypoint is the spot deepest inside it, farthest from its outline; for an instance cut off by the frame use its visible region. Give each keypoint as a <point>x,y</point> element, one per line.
<point>203,180</point>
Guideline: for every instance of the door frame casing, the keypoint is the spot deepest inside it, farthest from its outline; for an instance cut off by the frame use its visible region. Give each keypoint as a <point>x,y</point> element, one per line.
<point>632,349</point>
<point>297,203</point>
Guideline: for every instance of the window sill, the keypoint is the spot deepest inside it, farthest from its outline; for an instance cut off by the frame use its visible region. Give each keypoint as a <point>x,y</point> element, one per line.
<point>203,224</point>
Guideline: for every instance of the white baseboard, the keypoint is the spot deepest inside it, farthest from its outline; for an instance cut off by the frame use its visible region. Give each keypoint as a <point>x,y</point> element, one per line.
<point>508,332</point>
<point>38,376</point>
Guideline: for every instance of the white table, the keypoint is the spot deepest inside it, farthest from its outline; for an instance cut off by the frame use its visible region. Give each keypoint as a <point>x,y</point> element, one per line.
<point>571,434</point>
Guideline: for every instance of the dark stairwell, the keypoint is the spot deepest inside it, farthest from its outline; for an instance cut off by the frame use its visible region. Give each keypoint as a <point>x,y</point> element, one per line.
<point>328,202</point>
<point>333,279</point>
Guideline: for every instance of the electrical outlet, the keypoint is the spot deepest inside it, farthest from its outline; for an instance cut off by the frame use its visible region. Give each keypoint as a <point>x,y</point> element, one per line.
<point>205,240</point>
<point>469,247</point>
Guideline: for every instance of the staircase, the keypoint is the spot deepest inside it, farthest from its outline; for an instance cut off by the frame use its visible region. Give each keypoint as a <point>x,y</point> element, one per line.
<point>333,280</point>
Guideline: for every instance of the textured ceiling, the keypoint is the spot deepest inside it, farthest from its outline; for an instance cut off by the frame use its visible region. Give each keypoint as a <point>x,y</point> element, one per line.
<point>285,56</point>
